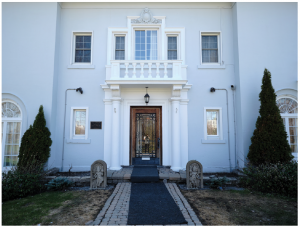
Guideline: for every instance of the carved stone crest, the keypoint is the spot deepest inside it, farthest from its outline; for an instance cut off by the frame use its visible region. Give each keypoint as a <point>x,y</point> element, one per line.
<point>194,174</point>
<point>146,18</point>
<point>98,174</point>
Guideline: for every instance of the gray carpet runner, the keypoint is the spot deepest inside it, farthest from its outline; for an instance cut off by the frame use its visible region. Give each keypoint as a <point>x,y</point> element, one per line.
<point>143,174</point>
<point>152,204</point>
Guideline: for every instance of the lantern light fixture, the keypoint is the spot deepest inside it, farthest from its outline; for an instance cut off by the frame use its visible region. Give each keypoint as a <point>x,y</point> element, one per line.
<point>146,97</point>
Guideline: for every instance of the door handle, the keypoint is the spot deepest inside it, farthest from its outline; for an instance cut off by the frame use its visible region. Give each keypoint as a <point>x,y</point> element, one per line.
<point>158,142</point>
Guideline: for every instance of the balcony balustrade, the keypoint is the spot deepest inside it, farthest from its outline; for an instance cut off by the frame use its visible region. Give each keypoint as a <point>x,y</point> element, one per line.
<point>145,70</point>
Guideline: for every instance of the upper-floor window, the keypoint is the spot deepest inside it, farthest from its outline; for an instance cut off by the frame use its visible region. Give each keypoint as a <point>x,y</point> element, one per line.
<point>210,53</point>
<point>11,131</point>
<point>83,49</point>
<point>172,47</point>
<point>289,113</point>
<point>146,45</point>
<point>120,48</point>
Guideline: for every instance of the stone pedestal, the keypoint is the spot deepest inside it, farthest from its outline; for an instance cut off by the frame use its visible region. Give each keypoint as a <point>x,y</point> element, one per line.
<point>194,174</point>
<point>98,175</point>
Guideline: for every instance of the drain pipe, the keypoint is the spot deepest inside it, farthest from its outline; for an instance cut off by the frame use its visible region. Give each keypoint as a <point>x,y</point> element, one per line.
<point>213,90</point>
<point>233,99</point>
<point>63,148</point>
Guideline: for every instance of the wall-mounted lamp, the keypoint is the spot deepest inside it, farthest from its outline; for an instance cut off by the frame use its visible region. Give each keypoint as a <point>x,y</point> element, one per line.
<point>79,89</point>
<point>146,97</point>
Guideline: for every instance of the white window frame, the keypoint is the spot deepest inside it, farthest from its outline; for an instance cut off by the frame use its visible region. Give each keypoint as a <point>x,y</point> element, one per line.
<point>113,42</point>
<point>74,64</point>
<point>177,35</point>
<point>286,116</point>
<point>219,136</point>
<point>5,120</point>
<point>145,28</point>
<point>72,124</point>
<point>220,58</point>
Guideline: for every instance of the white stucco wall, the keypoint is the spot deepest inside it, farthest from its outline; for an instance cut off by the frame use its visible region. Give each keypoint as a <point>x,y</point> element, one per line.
<point>267,38</point>
<point>37,39</point>
<point>28,58</point>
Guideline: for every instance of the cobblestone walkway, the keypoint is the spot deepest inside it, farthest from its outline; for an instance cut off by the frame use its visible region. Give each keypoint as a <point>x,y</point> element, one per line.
<point>115,210</point>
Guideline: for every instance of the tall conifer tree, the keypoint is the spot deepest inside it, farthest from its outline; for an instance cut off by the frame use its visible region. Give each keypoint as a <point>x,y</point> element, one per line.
<point>35,143</point>
<point>269,141</point>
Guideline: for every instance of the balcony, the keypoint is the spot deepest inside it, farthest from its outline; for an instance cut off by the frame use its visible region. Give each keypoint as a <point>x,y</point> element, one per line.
<point>146,72</point>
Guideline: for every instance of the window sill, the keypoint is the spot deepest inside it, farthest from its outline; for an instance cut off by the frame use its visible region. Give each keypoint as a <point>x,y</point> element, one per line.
<point>211,66</point>
<point>213,141</point>
<point>81,66</point>
<point>78,140</point>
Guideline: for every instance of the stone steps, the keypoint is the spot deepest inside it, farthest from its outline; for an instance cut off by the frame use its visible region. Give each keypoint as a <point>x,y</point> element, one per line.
<point>124,175</point>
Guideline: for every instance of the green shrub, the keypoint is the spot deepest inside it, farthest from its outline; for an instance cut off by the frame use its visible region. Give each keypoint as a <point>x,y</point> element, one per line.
<point>21,182</point>
<point>218,182</point>
<point>269,141</point>
<point>280,178</point>
<point>59,183</point>
<point>35,143</point>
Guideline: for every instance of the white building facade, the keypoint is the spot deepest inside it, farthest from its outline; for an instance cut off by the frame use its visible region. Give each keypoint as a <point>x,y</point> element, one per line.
<point>202,64</point>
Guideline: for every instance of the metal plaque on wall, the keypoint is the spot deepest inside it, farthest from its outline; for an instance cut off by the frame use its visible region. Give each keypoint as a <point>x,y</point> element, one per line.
<point>96,125</point>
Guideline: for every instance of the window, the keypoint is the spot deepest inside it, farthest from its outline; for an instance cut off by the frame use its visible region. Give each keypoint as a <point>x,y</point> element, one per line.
<point>146,45</point>
<point>83,48</point>
<point>81,51</point>
<point>210,49</point>
<point>120,48</point>
<point>79,123</point>
<point>213,124</point>
<point>11,130</point>
<point>172,48</point>
<point>289,113</point>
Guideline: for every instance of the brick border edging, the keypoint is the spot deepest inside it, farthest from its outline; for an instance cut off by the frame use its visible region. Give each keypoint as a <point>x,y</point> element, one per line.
<point>183,204</point>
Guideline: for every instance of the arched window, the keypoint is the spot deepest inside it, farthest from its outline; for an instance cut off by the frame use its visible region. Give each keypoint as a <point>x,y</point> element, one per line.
<point>11,132</point>
<point>289,113</point>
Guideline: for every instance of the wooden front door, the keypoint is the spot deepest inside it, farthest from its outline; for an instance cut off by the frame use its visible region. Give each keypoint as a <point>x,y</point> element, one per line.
<point>145,132</point>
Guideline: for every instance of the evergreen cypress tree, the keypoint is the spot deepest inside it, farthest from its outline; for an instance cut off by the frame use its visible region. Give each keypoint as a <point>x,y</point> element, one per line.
<point>35,143</point>
<point>269,141</point>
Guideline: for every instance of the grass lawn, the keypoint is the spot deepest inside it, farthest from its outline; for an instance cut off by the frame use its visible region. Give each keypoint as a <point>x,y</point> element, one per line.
<point>214,207</point>
<point>55,208</point>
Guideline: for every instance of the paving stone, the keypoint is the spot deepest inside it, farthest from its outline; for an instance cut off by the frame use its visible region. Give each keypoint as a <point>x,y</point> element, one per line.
<point>89,222</point>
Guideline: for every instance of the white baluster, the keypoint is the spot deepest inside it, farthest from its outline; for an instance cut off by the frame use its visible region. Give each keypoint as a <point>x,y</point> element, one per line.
<point>165,72</point>
<point>149,72</point>
<point>157,70</point>
<point>142,70</point>
<point>134,71</point>
<point>126,70</point>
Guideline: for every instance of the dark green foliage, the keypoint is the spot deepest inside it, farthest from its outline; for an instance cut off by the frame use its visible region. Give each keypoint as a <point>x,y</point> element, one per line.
<point>269,141</point>
<point>218,182</point>
<point>21,182</point>
<point>59,183</point>
<point>278,178</point>
<point>36,142</point>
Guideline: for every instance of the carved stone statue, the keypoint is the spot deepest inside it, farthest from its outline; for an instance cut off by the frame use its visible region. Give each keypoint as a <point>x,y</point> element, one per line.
<point>194,174</point>
<point>146,18</point>
<point>98,174</point>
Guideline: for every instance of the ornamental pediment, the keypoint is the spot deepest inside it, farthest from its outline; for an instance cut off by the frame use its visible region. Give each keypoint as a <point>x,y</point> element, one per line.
<point>146,17</point>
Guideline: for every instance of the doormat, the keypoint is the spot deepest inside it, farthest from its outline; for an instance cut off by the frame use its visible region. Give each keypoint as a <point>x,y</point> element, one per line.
<point>143,174</point>
<point>152,204</point>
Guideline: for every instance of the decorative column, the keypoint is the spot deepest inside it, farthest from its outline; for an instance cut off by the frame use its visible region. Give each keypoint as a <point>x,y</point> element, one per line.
<point>115,130</point>
<point>115,141</point>
<point>184,158</point>
<point>175,134</point>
